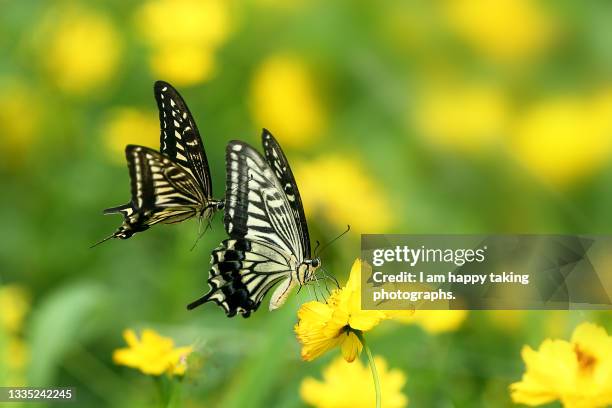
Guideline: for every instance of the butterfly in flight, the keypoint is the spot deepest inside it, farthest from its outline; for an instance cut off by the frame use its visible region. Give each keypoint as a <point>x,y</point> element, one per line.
<point>171,185</point>
<point>268,236</point>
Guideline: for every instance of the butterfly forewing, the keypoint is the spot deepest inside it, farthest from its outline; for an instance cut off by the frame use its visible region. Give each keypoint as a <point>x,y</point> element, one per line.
<point>162,191</point>
<point>280,165</point>
<point>180,139</point>
<point>257,208</point>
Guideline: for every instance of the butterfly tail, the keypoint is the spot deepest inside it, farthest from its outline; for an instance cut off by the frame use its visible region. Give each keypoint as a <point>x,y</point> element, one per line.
<point>125,209</point>
<point>199,302</point>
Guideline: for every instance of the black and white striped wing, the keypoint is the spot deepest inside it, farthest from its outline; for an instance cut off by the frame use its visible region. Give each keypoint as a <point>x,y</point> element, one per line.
<point>264,248</point>
<point>180,139</point>
<point>243,272</point>
<point>280,165</point>
<point>257,207</point>
<point>162,192</point>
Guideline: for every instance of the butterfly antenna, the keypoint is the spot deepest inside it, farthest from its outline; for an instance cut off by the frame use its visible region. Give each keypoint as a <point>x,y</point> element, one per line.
<point>101,241</point>
<point>348,228</point>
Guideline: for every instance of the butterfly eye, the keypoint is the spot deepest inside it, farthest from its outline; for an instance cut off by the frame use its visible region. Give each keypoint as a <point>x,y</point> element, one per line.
<point>316,263</point>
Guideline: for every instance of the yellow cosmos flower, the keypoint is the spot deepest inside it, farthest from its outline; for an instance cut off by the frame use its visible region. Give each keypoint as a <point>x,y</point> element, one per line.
<point>323,326</point>
<point>503,30</point>
<point>14,304</point>
<point>347,385</point>
<point>184,36</point>
<point>344,192</point>
<point>130,126</point>
<point>284,99</point>
<point>152,354</point>
<point>436,321</point>
<point>565,139</point>
<point>83,49</point>
<point>578,373</point>
<point>467,117</point>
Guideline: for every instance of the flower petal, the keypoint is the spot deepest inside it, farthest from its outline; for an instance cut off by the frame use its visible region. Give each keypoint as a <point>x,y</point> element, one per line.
<point>351,346</point>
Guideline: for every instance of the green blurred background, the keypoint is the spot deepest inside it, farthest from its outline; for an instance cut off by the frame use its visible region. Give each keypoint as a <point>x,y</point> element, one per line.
<point>465,116</point>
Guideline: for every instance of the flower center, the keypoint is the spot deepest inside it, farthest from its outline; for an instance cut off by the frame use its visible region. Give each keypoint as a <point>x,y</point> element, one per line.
<point>586,362</point>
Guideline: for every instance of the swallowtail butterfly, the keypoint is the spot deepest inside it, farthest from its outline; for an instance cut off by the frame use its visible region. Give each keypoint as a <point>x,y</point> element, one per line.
<point>268,236</point>
<point>172,185</point>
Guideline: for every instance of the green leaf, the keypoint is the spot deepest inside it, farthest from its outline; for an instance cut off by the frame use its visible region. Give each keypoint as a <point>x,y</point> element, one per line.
<point>57,325</point>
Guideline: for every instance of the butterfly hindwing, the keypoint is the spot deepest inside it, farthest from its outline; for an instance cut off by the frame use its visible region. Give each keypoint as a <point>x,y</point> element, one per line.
<point>242,273</point>
<point>162,191</point>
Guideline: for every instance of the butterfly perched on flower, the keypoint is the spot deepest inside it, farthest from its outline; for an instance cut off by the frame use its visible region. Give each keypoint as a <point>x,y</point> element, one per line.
<point>268,242</point>
<point>173,184</point>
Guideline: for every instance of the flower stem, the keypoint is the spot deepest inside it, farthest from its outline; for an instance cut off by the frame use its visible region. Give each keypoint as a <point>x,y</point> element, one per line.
<point>165,391</point>
<point>372,367</point>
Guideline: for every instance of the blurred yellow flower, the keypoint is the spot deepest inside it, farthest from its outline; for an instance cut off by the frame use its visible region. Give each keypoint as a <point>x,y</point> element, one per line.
<point>436,321</point>
<point>174,22</point>
<point>152,354</point>
<point>344,192</point>
<point>171,63</point>
<point>347,385</point>
<point>130,126</point>
<point>19,119</point>
<point>323,326</point>
<point>577,373</point>
<point>502,30</point>
<point>407,26</point>
<point>507,320</point>
<point>16,354</point>
<point>565,139</point>
<point>556,322</point>
<point>284,99</point>
<point>14,304</point>
<point>82,51</point>
<point>184,36</point>
<point>284,5</point>
<point>466,117</point>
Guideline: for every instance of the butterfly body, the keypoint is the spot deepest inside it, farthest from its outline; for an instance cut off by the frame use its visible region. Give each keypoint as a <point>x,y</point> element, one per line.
<point>268,241</point>
<point>174,184</point>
